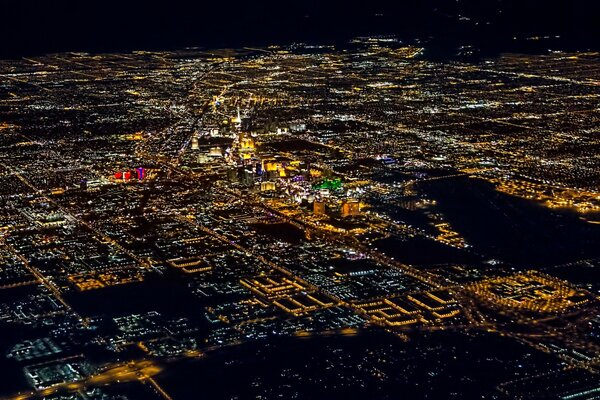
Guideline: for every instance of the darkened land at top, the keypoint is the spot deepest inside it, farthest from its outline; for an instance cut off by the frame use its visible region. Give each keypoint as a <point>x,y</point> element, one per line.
<point>35,27</point>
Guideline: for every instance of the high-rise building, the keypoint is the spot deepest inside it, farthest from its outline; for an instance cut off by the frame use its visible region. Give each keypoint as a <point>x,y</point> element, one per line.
<point>350,208</point>
<point>232,175</point>
<point>141,173</point>
<point>319,208</point>
<point>247,177</point>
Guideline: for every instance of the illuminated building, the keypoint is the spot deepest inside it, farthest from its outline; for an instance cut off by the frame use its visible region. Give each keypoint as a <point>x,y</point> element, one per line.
<point>319,208</point>
<point>267,186</point>
<point>270,165</point>
<point>122,175</point>
<point>246,143</point>
<point>215,152</point>
<point>298,127</point>
<point>195,143</point>
<point>330,184</point>
<point>247,177</point>
<point>350,208</point>
<point>237,120</point>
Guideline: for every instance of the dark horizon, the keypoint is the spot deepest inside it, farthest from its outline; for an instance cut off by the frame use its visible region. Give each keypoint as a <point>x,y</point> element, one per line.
<point>500,25</point>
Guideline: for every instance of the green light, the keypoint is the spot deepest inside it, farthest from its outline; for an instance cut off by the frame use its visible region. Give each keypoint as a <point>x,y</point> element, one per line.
<point>331,184</point>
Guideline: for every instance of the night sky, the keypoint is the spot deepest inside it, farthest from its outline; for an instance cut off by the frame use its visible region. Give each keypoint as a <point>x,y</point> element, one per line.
<point>35,27</point>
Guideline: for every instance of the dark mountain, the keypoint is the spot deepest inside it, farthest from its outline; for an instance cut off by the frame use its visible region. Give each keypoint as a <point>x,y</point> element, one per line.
<point>33,27</point>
